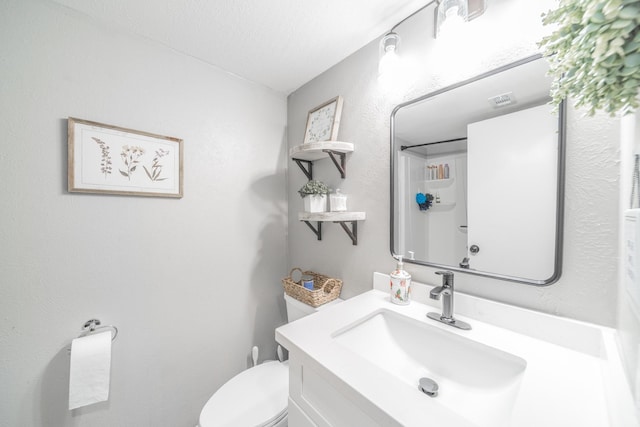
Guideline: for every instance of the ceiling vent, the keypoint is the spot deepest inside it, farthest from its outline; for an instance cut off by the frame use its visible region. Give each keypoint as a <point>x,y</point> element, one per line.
<point>502,100</point>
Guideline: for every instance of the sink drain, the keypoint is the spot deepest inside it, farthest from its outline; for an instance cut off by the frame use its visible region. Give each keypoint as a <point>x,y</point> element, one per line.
<point>428,387</point>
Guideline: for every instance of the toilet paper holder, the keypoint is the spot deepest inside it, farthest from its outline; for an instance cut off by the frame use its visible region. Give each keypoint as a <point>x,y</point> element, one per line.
<point>92,325</point>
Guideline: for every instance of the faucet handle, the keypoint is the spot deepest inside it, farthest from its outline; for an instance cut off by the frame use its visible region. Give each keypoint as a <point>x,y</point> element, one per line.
<point>447,277</point>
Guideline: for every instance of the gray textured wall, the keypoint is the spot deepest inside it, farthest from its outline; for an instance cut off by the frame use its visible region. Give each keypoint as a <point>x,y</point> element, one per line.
<point>192,283</point>
<point>508,31</point>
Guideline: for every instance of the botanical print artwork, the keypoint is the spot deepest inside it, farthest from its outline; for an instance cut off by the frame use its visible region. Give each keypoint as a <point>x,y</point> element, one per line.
<point>156,167</point>
<point>139,163</point>
<point>321,123</point>
<point>107,159</point>
<point>131,159</point>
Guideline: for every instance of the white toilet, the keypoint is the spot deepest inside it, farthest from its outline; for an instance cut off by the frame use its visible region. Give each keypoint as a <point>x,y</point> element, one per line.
<point>258,396</point>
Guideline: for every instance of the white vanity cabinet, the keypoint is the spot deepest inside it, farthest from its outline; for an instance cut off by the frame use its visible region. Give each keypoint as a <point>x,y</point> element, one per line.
<point>318,398</point>
<point>297,417</point>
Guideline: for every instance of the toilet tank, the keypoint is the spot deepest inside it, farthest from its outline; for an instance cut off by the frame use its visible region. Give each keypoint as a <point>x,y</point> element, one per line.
<point>297,309</point>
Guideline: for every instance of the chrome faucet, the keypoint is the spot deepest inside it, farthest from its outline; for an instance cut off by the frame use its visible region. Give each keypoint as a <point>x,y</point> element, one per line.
<point>446,290</point>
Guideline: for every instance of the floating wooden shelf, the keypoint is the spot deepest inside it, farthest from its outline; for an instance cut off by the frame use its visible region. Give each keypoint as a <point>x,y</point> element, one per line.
<point>304,155</point>
<point>332,216</point>
<point>341,218</point>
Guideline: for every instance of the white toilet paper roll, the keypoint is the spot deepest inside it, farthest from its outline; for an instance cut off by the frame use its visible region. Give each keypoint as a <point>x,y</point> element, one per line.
<point>90,369</point>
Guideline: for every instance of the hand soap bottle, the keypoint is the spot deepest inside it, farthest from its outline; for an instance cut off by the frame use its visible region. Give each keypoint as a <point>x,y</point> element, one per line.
<point>400,284</point>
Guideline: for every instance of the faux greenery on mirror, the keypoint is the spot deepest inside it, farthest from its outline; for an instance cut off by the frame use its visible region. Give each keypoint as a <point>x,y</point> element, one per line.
<point>595,53</point>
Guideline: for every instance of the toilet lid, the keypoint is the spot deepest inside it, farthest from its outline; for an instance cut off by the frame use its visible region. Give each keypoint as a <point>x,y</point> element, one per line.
<point>255,397</point>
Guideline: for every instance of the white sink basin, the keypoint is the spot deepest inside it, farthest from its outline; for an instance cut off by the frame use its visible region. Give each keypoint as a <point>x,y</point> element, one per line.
<point>475,380</point>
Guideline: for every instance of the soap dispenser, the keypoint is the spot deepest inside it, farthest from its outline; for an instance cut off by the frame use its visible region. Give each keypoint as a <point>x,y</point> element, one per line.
<point>400,284</point>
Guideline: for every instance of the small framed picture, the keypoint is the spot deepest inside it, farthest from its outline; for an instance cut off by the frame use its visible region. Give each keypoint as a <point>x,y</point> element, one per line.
<point>323,122</point>
<point>114,160</point>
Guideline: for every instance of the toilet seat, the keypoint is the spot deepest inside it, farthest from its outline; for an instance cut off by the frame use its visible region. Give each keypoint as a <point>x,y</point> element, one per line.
<point>257,397</point>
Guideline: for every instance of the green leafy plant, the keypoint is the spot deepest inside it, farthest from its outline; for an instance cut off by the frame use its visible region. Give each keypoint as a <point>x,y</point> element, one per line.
<point>313,187</point>
<point>594,53</point>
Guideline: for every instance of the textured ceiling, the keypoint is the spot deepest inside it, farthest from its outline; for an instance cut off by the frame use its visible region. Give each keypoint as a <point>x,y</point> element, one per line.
<point>281,44</point>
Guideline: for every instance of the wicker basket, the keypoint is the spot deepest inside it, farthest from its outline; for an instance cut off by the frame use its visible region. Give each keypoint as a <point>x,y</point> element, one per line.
<point>325,289</point>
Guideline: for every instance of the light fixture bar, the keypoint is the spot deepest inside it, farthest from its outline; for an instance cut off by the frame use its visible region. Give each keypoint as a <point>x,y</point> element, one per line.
<point>413,14</point>
<point>476,8</point>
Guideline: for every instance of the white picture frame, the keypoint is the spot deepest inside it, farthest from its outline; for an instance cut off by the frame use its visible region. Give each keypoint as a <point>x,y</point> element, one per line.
<point>113,160</point>
<point>323,122</point>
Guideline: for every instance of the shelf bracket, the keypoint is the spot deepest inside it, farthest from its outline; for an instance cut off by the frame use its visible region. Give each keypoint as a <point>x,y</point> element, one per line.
<point>308,170</point>
<point>353,233</point>
<point>342,166</point>
<point>316,231</point>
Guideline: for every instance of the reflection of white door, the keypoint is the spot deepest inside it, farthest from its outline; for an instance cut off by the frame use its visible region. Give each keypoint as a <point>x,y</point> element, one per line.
<point>512,193</point>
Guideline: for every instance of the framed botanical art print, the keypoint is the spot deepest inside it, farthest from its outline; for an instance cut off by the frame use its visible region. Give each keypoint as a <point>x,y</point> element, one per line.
<point>323,122</point>
<point>114,160</point>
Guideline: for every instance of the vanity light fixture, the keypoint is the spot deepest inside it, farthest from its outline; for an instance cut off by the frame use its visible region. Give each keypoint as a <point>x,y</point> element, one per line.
<point>388,54</point>
<point>447,14</point>
<point>450,14</point>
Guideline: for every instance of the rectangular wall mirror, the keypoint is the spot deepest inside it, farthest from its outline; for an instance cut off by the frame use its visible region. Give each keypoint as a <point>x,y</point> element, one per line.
<point>477,176</point>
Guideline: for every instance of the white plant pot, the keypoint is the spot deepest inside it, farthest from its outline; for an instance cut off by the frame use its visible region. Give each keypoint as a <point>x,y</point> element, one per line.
<point>315,203</point>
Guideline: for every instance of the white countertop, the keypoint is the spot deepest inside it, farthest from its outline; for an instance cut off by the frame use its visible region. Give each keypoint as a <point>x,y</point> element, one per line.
<point>573,375</point>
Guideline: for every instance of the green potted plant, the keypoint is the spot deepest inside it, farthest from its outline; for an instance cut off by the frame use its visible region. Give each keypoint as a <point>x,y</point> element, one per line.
<point>594,53</point>
<point>314,195</point>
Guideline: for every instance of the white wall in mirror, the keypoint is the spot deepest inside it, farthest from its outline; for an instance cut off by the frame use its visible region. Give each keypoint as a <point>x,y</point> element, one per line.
<point>512,193</point>
<point>437,234</point>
